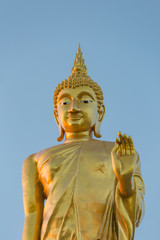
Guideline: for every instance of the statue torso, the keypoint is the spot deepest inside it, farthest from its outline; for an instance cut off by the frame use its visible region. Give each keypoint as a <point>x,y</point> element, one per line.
<point>79,184</point>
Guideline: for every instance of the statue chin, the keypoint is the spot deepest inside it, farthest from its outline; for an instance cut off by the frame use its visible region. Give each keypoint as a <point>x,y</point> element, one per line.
<point>91,189</point>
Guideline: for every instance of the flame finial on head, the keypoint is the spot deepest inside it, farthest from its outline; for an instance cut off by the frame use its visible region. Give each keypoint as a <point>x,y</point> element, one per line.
<point>79,65</point>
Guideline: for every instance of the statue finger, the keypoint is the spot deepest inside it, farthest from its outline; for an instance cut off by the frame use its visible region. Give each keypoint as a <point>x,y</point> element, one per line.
<point>125,139</point>
<point>120,136</point>
<point>127,145</point>
<point>131,145</point>
<point>122,143</point>
<point>123,149</point>
<point>123,146</point>
<point>117,141</point>
<point>130,141</point>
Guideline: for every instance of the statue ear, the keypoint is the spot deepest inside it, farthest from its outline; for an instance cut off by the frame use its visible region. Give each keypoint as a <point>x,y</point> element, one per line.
<point>61,131</point>
<point>97,125</point>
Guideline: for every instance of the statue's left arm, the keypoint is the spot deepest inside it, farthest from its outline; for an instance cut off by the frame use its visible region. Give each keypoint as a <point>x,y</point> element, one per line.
<point>129,202</point>
<point>33,198</point>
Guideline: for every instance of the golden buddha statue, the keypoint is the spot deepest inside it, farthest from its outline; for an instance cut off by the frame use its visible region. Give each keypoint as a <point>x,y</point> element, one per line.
<point>83,189</point>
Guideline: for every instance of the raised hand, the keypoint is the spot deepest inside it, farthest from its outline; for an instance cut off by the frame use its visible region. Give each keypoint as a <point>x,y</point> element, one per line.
<point>124,163</point>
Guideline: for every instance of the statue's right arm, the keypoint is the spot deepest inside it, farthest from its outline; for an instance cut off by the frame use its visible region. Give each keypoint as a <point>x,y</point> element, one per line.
<point>33,199</point>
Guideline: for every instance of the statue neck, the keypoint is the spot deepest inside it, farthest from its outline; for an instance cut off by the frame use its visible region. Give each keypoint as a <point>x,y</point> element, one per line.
<point>75,137</point>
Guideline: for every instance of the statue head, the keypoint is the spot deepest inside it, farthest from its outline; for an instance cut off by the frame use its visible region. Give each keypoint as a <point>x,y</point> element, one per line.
<point>78,102</point>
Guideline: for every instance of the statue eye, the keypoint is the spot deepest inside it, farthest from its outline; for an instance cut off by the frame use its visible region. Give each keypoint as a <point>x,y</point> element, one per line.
<point>86,101</point>
<point>64,103</point>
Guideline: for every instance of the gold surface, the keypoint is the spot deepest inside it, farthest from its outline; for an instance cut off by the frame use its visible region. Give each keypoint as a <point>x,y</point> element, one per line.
<point>93,189</point>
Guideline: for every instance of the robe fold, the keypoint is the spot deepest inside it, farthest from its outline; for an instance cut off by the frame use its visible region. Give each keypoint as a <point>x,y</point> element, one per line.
<point>83,201</point>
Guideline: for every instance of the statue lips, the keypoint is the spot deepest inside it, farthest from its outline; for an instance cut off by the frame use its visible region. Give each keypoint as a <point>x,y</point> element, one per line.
<point>74,116</point>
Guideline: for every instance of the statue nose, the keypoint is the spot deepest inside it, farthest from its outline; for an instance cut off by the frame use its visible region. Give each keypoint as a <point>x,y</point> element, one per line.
<point>74,106</point>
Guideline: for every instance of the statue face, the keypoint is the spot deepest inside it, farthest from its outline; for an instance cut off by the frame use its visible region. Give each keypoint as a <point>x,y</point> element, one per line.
<point>77,109</point>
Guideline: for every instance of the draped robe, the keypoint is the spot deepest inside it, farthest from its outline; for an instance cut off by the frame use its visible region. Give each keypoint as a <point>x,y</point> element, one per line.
<point>83,201</point>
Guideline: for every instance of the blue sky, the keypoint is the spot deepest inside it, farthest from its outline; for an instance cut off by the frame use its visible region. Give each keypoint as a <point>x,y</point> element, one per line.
<point>120,44</point>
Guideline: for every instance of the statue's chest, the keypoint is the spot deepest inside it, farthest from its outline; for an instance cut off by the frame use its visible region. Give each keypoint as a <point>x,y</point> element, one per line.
<point>89,165</point>
<point>95,176</point>
<point>95,161</point>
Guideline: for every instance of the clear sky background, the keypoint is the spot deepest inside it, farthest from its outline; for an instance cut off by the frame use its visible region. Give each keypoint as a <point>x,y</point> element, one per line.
<point>120,41</point>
